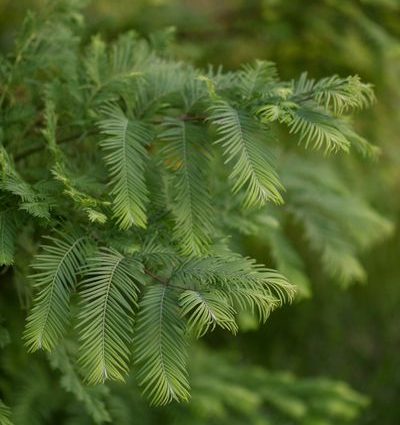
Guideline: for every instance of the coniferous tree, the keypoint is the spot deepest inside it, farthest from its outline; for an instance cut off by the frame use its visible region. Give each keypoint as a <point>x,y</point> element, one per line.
<point>126,177</point>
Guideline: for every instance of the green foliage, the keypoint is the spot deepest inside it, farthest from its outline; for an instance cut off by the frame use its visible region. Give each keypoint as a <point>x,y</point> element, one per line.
<point>194,158</point>
<point>30,199</point>
<point>191,200</point>
<point>258,77</point>
<point>207,310</point>
<point>109,294</point>
<point>91,397</point>
<point>7,238</point>
<point>5,414</point>
<point>242,140</point>
<point>55,279</point>
<point>234,392</point>
<point>225,390</point>
<point>326,209</point>
<point>125,157</point>
<point>160,352</point>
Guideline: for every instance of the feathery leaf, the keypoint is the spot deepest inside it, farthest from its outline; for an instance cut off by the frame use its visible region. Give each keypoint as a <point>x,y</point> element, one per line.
<point>254,79</point>
<point>186,155</point>
<point>10,181</point>
<point>160,347</point>
<point>125,148</point>
<point>242,138</point>
<point>54,280</point>
<point>8,232</point>
<point>5,414</point>
<point>248,286</point>
<point>109,293</point>
<point>205,310</point>
<point>318,129</point>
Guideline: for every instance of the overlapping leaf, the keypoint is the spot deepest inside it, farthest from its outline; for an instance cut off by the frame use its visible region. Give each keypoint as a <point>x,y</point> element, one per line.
<point>54,279</point>
<point>207,309</point>
<point>244,143</point>
<point>186,154</point>
<point>125,149</point>
<point>160,347</point>
<point>109,293</point>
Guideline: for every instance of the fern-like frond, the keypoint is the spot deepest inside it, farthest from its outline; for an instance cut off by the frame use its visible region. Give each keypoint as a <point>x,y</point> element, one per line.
<point>55,277</point>
<point>253,298</point>
<point>249,286</point>
<point>96,63</point>
<point>253,287</point>
<point>281,111</point>
<point>8,232</point>
<point>61,171</point>
<point>319,130</point>
<point>186,155</point>
<point>193,92</point>
<point>243,141</point>
<point>160,347</point>
<point>154,253</point>
<point>113,71</point>
<point>162,80</point>
<point>334,93</point>
<point>125,148</point>
<point>31,201</point>
<point>204,310</point>
<point>10,181</point>
<point>109,293</point>
<point>83,201</point>
<point>254,79</point>
<point>5,414</point>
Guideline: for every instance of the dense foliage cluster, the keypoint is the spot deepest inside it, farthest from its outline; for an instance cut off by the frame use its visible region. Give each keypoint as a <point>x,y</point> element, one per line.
<point>126,178</point>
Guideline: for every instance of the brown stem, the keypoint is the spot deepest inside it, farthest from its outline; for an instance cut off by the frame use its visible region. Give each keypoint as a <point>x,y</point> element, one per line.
<point>192,117</point>
<point>163,281</point>
<point>155,277</point>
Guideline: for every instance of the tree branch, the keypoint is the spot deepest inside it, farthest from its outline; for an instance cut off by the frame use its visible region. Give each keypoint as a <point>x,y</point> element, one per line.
<point>163,281</point>
<point>39,147</point>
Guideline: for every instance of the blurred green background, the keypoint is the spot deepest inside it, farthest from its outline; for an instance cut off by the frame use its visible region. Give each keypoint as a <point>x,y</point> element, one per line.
<point>354,334</point>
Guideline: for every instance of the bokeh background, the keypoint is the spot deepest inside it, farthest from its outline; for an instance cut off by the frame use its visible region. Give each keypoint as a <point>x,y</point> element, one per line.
<point>350,334</point>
